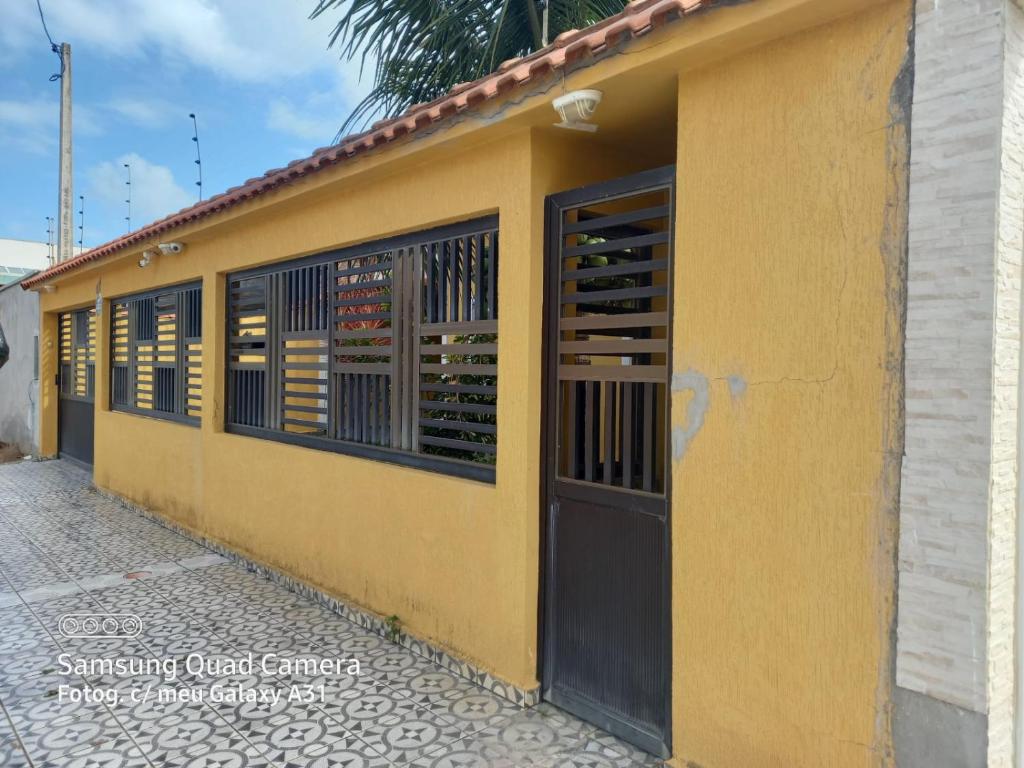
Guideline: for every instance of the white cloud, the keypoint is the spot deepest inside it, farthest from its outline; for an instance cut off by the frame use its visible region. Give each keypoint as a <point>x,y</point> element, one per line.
<point>33,125</point>
<point>155,193</point>
<point>317,126</point>
<point>258,41</point>
<point>264,42</point>
<point>317,116</point>
<point>16,31</point>
<point>24,124</point>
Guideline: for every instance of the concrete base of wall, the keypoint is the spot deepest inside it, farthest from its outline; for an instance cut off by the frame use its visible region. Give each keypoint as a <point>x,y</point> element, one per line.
<point>928,733</point>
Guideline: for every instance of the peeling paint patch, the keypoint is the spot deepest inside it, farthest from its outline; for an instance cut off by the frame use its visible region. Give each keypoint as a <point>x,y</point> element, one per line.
<point>697,383</point>
<point>737,385</point>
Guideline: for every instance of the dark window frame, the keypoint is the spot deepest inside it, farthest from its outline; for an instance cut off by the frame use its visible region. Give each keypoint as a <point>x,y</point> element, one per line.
<point>181,412</point>
<point>479,247</point>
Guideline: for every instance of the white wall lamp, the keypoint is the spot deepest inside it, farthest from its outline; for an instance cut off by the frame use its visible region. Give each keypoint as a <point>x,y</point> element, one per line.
<point>576,108</point>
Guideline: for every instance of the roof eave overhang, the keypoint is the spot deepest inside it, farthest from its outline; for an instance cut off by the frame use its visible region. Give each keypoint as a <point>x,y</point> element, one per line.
<point>528,79</point>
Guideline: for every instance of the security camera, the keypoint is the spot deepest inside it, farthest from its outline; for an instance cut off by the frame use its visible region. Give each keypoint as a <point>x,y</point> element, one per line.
<point>170,249</point>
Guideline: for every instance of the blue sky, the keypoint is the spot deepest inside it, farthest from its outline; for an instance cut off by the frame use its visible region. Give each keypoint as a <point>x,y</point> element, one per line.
<point>257,73</point>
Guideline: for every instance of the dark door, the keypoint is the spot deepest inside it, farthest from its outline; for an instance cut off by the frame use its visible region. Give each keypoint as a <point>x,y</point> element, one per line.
<point>606,595</point>
<point>76,379</point>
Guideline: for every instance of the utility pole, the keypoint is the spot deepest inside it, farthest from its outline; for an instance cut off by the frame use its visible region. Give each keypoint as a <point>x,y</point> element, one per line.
<point>65,205</point>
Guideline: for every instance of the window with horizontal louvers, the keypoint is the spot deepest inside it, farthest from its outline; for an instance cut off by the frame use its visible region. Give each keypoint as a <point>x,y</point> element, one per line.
<point>387,350</point>
<point>156,345</point>
<point>77,337</point>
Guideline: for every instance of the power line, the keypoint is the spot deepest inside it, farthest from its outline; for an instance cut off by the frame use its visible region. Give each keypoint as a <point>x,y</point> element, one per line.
<point>53,46</point>
<point>128,184</point>
<point>199,159</point>
<point>81,223</point>
<point>49,239</point>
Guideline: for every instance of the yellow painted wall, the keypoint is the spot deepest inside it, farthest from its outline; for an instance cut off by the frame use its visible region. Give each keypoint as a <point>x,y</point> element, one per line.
<point>454,559</point>
<point>781,533</point>
<point>789,230</point>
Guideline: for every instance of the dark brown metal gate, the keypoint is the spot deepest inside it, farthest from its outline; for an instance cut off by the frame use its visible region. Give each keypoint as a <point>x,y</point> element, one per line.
<point>76,382</point>
<point>607,631</point>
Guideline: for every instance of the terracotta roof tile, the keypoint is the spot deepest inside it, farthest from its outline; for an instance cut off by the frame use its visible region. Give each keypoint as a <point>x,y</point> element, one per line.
<point>637,19</point>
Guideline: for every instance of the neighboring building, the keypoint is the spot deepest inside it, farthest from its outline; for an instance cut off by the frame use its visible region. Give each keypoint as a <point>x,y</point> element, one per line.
<point>704,426</point>
<point>19,258</point>
<point>19,319</point>
<point>19,376</point>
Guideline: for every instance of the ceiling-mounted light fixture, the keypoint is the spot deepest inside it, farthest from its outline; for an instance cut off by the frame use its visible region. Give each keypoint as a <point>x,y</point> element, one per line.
<point>576,108</point>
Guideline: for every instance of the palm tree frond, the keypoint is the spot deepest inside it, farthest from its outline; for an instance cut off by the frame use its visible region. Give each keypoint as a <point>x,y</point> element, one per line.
<point>422,48</point>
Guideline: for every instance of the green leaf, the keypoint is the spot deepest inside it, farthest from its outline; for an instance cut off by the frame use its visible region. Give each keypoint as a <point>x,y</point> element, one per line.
<point>423,48</point>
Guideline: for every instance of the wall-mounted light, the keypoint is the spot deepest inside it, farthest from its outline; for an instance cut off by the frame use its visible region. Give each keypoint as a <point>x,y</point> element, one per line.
<point>575,108</point>
<point>146,260</point>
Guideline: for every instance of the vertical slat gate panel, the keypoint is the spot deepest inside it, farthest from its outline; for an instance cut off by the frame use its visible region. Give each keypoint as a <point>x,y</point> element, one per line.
<point>366,343</point>
<point>456,352</point>
<point>250,331</point>
<point>478,273</point>
<point>398,426</point>
<point>416,312</point>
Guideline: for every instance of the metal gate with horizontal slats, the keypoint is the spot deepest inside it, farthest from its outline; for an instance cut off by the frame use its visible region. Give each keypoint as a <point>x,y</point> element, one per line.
<point>606,626</point>
<point>76,383</point>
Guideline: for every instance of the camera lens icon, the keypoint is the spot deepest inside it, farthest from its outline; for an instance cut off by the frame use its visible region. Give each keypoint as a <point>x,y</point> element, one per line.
<point>99,625</point>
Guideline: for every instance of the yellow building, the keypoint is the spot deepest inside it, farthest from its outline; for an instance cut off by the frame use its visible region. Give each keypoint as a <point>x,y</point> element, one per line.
<point>663,494</point>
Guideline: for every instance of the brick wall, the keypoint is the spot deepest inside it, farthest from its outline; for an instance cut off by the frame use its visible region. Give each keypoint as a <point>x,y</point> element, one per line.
<point>959,481</point>
<point>1006,396</point>
<point>941,648</point>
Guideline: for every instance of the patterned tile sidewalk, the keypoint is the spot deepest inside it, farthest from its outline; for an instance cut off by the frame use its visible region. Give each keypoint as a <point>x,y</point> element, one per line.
<point>65,549</point>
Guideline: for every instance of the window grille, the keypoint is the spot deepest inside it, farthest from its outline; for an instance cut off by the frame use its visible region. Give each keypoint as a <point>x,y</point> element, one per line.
<point>387,350</point>
<point>613,293</point>
<point>156,349</point>
<point>77,335</point>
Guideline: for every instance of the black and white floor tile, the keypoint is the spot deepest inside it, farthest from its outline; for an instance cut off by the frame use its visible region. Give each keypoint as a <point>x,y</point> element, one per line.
<point>66,548</point>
